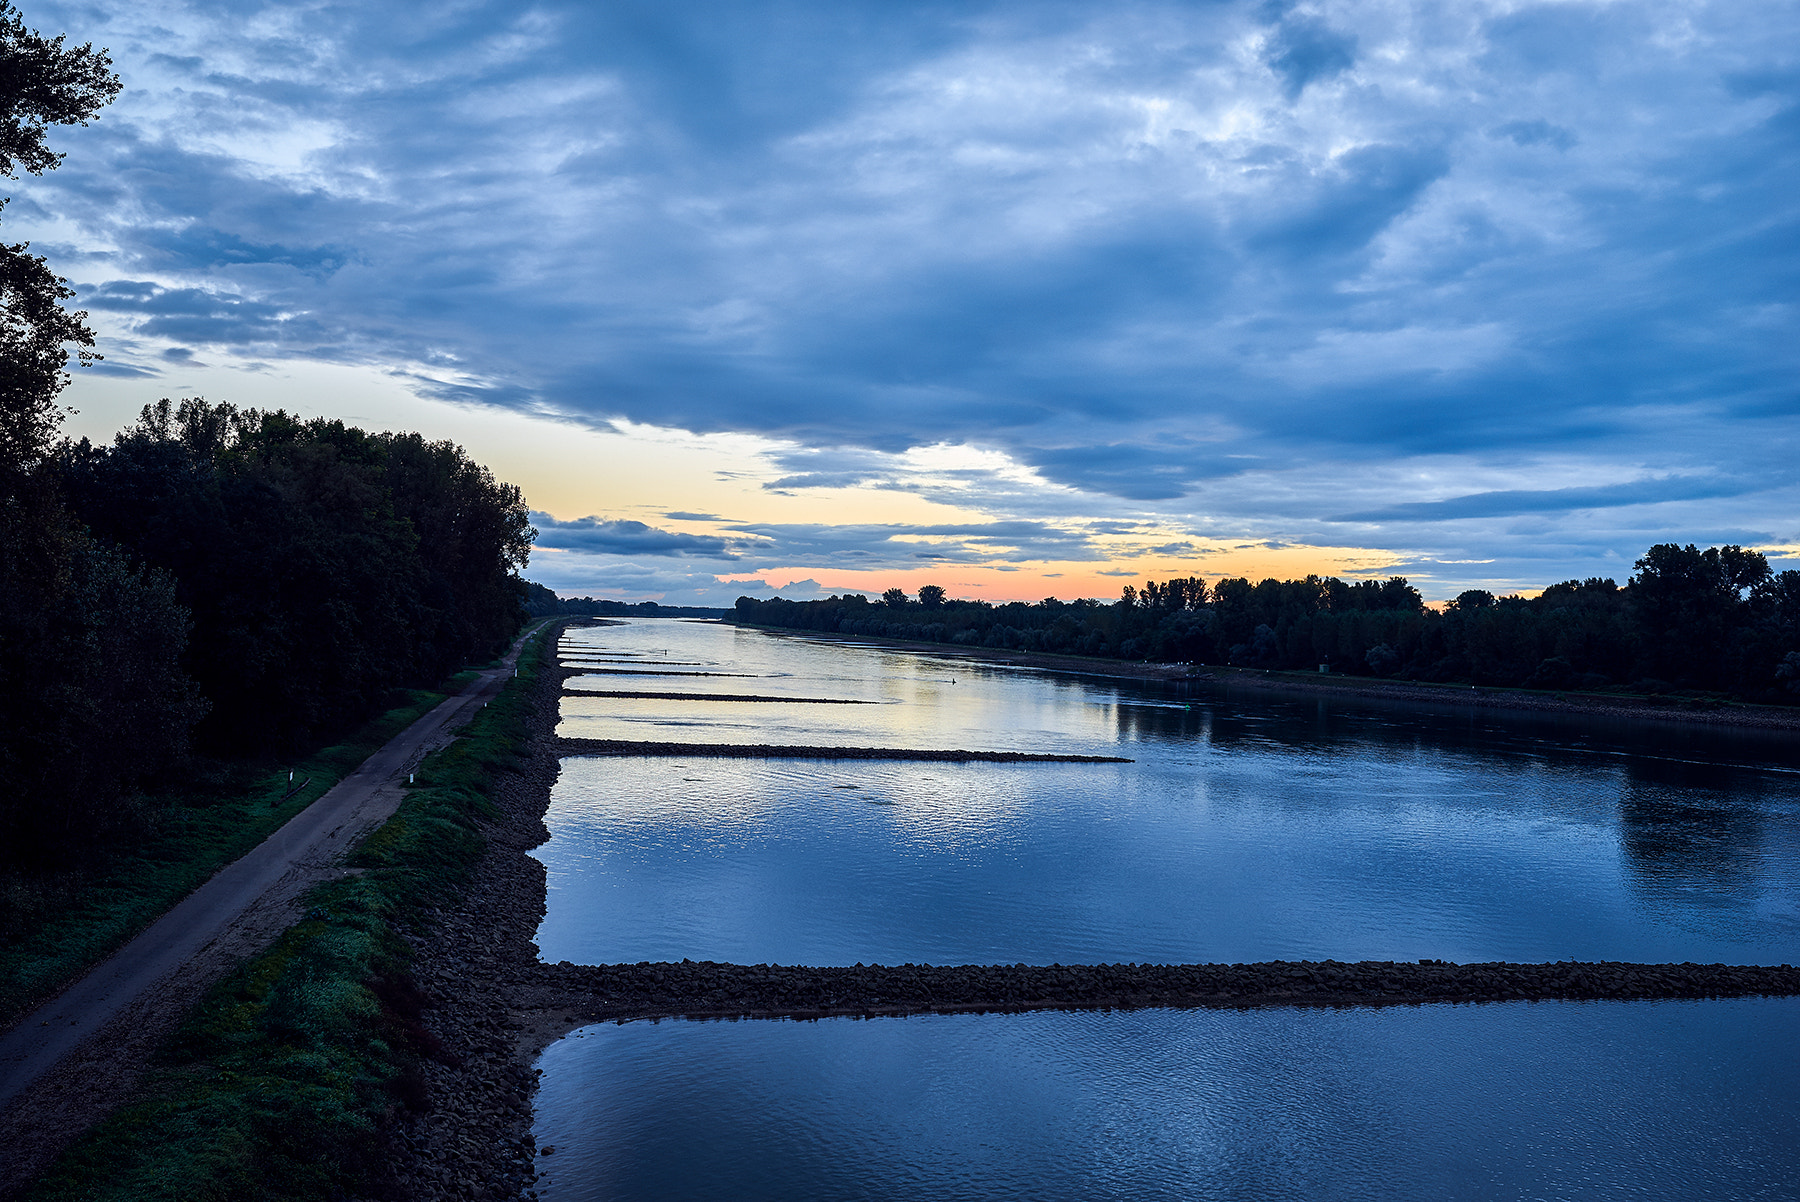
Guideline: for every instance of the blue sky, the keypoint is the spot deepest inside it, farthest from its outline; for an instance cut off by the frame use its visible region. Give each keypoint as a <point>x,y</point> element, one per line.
<point>1485,294</point>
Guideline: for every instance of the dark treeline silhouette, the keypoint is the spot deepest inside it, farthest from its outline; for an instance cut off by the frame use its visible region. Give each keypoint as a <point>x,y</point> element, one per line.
<point>323,565</point>
<point>1717,621</point>
<point>91,687</point>
<point>239,580</point>
<point>540,602</point>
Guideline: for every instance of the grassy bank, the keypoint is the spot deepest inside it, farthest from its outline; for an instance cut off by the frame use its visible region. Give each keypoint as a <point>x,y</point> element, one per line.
<point>54,927</point>
<point>278,1084</point>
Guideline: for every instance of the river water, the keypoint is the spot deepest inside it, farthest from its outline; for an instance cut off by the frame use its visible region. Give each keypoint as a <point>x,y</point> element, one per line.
<point>1247,827</point>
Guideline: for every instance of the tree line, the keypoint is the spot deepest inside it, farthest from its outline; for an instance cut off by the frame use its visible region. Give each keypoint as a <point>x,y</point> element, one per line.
<point>233,580</point>
<point>1717,620</point>
<point>238,580</point>
<point>541,602</point>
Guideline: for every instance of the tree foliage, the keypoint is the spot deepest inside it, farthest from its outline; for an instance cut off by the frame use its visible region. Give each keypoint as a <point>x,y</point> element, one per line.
<point>92,691</point>
<point>323,565</point>
<point>42,83</point>
<point>1717,621</point>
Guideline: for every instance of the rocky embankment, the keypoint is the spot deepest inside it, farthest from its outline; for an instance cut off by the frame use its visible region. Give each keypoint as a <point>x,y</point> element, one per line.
<point>640,695</point>
<point>561,746</point>
<point>468,1133</point>
<point>491,1006</point>
<point>615,991</point>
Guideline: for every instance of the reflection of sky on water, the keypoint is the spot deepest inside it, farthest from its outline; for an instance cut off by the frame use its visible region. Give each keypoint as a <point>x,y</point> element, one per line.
<point>1522,1100</point>
<point>1249,828</point>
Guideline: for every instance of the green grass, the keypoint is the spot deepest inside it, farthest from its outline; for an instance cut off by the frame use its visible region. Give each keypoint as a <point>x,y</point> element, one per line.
<point>59,926</point>
<point>279,1082</point>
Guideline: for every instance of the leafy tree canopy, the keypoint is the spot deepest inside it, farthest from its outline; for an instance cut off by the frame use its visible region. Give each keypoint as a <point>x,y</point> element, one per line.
<point>42,83</point>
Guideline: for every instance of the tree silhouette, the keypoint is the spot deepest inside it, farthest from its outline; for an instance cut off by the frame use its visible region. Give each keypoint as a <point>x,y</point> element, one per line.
<point>42,83</point>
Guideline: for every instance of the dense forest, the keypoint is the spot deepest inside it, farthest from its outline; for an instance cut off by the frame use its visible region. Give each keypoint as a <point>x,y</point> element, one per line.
<point>540,602</point>
<point>1718,620</point>
<point>242,580</point>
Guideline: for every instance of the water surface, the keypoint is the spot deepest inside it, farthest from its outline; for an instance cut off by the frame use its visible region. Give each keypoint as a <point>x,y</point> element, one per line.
<point>1248,827</point>
<point>1547,1100</point>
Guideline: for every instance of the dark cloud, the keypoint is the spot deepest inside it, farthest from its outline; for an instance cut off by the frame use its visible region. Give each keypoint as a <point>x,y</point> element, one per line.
<point>626,538</point>
<point>1239,291</point>
<point>1305,49</point>
<point>820,480</point>
<point>1511,503</point>
<point>863,546</point>
<point>1538,132</point>
<point>198,314</point>
<point>115,367</point>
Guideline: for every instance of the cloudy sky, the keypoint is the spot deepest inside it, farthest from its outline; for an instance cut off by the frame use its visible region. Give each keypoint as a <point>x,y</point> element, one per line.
<point>1020,298</point>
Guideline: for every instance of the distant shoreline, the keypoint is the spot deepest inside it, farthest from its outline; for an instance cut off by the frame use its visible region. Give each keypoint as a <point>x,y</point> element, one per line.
<point>1359,688</point>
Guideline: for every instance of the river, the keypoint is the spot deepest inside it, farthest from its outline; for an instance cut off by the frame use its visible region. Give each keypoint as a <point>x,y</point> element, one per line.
<point>1246,827</point>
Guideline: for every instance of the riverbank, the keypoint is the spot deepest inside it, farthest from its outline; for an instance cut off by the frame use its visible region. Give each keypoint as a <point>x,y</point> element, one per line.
<point>1611,706</point>
<point>281,1081</point>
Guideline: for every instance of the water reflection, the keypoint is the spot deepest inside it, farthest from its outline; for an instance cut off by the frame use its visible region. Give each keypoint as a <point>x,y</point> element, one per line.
<point>1250,826</point>
<point>1545,1100</point>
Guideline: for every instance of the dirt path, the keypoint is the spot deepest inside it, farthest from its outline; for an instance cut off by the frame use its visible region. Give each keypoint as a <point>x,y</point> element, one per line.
<point>73,1060</point>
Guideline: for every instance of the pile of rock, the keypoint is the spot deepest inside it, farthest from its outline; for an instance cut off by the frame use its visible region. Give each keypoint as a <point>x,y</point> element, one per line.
<point>469,1133</point>
<point>614,991</point>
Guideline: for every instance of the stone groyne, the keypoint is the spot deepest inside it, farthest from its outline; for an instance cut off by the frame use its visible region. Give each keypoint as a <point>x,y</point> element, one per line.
<point>615,747</point>
<point>616,991</point>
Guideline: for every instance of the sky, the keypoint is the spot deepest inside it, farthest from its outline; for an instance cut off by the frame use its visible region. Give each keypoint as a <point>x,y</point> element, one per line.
<point>1023,299</point>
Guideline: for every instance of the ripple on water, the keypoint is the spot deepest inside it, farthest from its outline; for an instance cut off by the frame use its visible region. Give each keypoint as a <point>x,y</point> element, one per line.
<point>1521,1100</point>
